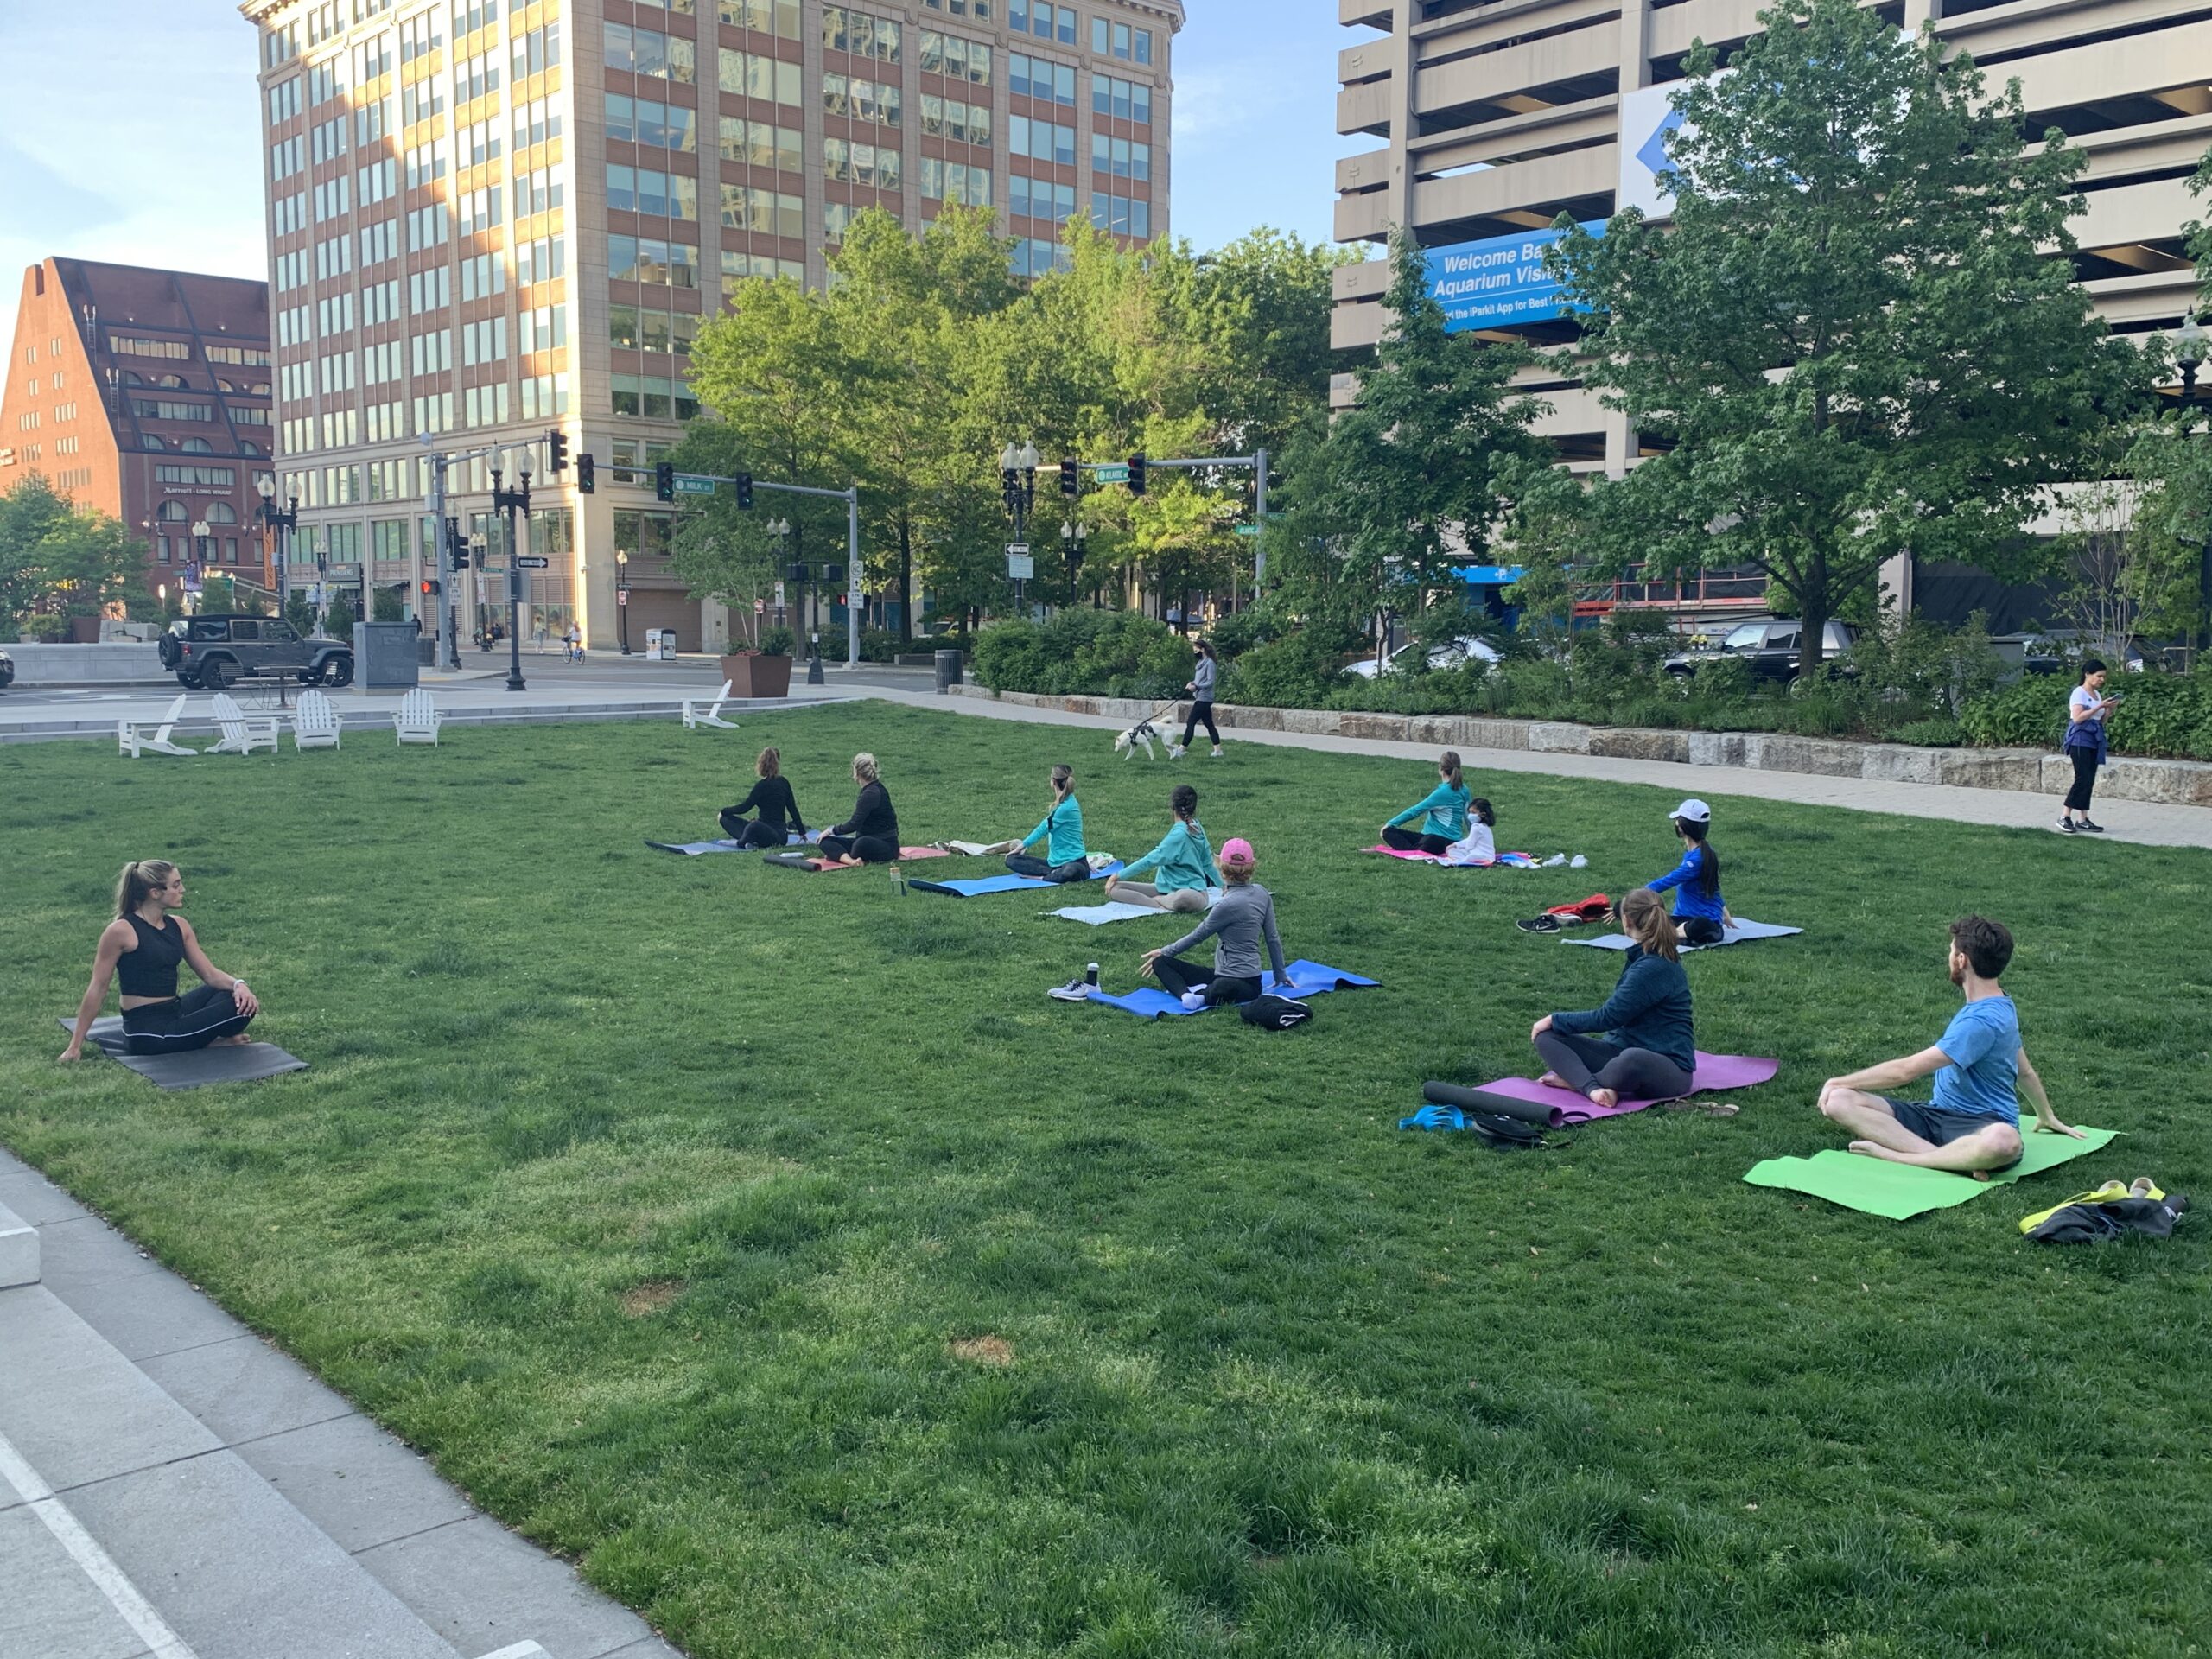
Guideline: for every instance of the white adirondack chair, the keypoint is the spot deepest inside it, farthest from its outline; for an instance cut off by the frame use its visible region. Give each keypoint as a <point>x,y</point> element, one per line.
<point>698,714</point>
<point>242,733</point>
<point>132,738</point>
<point>418,718</point>
<point>315,726</point>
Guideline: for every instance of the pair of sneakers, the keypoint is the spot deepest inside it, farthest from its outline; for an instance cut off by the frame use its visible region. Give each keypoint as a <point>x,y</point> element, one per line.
<point>1175,751</point>
<point>2069,827</point>
<point>1078,989</point>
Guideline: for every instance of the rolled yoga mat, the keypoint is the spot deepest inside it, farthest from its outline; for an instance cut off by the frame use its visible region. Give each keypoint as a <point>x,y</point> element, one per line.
<point>1482,1100</point>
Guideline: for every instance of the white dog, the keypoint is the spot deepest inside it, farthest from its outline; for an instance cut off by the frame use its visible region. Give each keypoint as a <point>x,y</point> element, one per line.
<point>1143,732</point>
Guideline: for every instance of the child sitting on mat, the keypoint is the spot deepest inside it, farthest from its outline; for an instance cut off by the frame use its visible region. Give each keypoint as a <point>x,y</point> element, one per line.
<point>773,799</point>
<point>1477,846</point>
<point>1699,917</point>
<point>1184,858</point>
<point>1447,807</point>
<point>1640,1044</point>
<point>1245,915</point>
<point>1062,832</point>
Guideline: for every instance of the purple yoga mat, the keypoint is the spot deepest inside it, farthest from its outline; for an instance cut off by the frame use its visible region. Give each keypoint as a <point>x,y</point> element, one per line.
<point>1713,1072</point>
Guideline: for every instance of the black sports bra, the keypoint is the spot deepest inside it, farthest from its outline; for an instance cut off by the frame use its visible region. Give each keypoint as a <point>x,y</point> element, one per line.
<point>150,970</point>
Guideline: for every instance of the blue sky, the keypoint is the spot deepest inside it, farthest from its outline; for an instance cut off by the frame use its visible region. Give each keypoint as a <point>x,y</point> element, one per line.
<point>130,134</point>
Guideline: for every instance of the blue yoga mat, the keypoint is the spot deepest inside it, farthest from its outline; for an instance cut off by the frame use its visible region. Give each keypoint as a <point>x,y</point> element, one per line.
<point>1007,883</point>
<point>1309,978</point>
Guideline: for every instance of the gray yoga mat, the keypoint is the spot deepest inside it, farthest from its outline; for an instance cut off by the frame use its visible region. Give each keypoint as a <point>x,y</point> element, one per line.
<point>231,1063</point>
<point>1482,1100</point>
<point>1737,934</point>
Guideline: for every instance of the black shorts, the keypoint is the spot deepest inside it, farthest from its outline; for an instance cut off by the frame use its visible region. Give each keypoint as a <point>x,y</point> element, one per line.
<point>193,1020</point>
<point>1939,1127</point>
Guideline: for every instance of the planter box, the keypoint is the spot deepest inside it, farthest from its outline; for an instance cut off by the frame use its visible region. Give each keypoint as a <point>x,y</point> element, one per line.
<point>754,674</point>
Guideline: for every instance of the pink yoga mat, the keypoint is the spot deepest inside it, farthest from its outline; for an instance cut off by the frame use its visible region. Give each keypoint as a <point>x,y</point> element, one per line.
<point>1419,857</point>
<point>1713,1072</point>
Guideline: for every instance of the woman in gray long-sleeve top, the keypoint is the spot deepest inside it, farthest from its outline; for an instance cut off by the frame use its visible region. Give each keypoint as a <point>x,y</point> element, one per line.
<point>1648,1050</point>
<point>1201,690</point>
<point>1243,916</point>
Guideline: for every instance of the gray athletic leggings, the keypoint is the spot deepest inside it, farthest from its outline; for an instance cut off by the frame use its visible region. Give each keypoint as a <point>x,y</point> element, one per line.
<point>1588,1063</point>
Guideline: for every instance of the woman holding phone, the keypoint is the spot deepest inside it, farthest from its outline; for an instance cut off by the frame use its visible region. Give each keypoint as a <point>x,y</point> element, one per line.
<point>2086,746</point>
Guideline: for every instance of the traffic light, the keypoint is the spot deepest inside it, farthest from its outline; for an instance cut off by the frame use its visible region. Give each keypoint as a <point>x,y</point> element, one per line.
<point>1136,474</point>
<point>587,474</point>
<point>664,480</point>
<point>795,572</point>
<point>429,590</point>
<point>745,491</point>
<point>456,546</point>
<point>1070,478</point>
<point>557,450</point>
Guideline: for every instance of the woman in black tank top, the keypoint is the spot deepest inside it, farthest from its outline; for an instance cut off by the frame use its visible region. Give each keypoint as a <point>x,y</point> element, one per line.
<point>140,951</point>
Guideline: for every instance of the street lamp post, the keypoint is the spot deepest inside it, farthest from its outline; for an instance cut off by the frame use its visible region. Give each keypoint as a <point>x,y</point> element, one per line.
<point>780,532</point>
<point>279,524</point>
<point>1018,484</point>
<point>622,597</point>
<point>509,502</point>
<point>200,535</point>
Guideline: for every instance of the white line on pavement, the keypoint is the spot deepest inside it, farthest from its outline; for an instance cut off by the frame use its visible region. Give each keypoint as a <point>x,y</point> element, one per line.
<point>99,1565</point>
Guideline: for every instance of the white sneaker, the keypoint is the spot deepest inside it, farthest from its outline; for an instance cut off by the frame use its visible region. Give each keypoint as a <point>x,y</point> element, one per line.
<point>1578,863</point>
<point>1217,751</point>
<point>1174,751</point>
<point>1076,990</point>
<point>1555,861</point>
<point>1192,1001</point>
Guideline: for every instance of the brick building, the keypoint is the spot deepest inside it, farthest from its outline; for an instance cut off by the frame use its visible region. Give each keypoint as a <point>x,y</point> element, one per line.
<point>146,394</point>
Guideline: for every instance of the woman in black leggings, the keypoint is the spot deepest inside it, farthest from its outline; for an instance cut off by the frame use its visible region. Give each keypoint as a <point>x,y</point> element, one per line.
<point>1201,690</point>
<point>871,835</point>
<point>1639,1046</point>
<point>140,949</point>
<point>771,798</point>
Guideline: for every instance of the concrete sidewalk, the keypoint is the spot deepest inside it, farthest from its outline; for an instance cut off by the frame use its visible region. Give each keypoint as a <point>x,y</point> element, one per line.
<point>172,1487</point>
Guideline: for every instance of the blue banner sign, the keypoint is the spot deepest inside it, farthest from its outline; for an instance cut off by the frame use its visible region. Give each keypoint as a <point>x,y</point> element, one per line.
<point>1490,575</point>
<point>1500,281</point>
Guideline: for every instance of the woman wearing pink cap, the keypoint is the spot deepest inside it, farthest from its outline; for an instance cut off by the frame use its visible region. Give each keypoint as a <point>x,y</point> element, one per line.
<point>1244,915</point>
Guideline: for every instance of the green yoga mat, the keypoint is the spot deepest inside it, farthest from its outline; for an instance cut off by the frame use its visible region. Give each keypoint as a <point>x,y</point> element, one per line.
<point>1903,1191</point>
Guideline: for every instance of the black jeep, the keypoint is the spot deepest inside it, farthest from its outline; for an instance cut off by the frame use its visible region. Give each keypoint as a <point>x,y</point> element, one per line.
<point>208,652</point>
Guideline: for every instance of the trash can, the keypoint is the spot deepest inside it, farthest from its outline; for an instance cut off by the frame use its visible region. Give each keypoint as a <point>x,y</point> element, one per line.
<point>948,669</point>
<point>660,644</point>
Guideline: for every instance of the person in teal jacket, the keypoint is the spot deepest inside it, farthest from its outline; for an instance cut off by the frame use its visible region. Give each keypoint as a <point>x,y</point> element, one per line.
<point>1061,830</point>
<point>1447,807</point>
<point>1184,860</point>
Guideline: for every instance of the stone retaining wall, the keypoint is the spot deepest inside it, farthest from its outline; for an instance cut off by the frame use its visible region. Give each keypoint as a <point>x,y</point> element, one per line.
<point>2185,782</point>
<point>124,662</point>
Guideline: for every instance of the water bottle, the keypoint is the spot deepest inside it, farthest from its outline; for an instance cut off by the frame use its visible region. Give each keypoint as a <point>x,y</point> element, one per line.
<point>1091,976</point>
<point>898,881</point>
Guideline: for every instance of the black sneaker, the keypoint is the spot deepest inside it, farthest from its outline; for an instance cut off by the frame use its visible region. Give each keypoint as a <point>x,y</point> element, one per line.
<point>1539,924</point>
<point>2066,826</point>
<point>2091,829</point>
<point>1076,990</point>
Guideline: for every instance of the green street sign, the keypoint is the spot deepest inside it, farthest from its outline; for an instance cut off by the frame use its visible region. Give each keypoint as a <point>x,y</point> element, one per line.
<point>691,484</point>
<point>1247,529</point>
<point>1113,472</point>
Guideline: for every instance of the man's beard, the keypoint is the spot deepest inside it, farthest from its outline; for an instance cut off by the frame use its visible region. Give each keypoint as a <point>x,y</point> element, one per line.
<point>1958,973</point>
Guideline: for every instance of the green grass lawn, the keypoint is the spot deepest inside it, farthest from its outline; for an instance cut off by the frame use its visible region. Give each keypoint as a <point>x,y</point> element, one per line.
<point>687,1210</point>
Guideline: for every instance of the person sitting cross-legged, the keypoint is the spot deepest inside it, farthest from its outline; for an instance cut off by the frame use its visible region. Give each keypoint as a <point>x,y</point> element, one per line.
<point>1640,1044</point>
<point>1973,1125</point>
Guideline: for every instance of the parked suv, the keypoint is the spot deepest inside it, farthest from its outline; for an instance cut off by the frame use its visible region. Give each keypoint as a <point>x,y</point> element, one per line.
<point>208,652</point>
<point>7,670</point>
<point>1770,647</point>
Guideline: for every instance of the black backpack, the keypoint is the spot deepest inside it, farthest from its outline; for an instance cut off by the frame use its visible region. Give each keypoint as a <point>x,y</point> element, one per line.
<point>1272,1013</point>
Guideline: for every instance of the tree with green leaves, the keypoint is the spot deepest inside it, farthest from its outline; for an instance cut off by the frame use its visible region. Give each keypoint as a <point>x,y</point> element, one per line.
<point>1416,478</point>
<point>1861,336</point>
<point>58,557</point>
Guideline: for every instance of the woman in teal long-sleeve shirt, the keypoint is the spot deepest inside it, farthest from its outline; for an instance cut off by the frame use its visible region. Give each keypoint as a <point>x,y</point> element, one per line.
<point>1061,830</point>
<point>1184,860</point>
<point>1447,807</point>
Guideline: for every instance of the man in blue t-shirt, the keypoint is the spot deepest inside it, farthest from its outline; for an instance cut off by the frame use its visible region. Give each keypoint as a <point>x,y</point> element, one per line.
<point>1974,1123</point>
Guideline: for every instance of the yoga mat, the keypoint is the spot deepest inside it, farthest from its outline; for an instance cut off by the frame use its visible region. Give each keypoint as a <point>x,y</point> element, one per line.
<point>1484,1100</point>
<point>823,867</point>
<point>1008,883</point>
<point>233,1063</point>
<point>1735,935</point>
<point>1099,915</point>
<point>695,848</point>
<point>1567,1108</point>
<point>1875,1186</point>
<point>1503,861</point>
<point>1310,978</point>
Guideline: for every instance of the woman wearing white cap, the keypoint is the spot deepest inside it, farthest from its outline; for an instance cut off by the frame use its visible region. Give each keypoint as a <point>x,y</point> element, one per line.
<point>1700,915</point>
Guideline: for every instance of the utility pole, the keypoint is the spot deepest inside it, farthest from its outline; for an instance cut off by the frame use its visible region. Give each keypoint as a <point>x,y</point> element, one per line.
<point>509,502</point>
<point>447,627</point>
